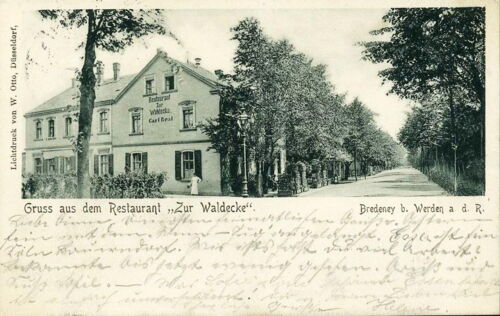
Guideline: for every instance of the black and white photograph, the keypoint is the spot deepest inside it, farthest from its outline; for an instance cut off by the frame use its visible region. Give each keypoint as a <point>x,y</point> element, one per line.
<point>237,158</point>
<point>259,103</point>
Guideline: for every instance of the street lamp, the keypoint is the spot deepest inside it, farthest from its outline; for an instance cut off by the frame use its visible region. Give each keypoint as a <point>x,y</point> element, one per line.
<point>243,119</point>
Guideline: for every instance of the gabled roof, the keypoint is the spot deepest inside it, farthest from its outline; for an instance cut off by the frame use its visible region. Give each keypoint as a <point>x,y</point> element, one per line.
<point>110,91</point>
<point>196,71</point>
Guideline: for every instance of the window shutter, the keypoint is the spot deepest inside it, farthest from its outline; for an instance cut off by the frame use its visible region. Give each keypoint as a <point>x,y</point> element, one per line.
<point>145,162</point>
<point>110,162</point>
<point>72,163</point>
<point>177,165</point>
<point>56,163</point>
<point>197,163</point>
<point>127,162</point>
<point>45,165</point>
<point>61,164</point>
<point>96,165</point>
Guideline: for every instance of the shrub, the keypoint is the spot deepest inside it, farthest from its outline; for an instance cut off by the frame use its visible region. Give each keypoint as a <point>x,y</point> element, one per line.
<point>286,185</point>
<point>465,186</point>
<point>469,188</point>
<point>129,185</point>
<point>49,186</point>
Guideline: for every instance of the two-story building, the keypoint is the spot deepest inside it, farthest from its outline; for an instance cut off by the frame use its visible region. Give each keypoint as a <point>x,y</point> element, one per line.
<point>147,122</point>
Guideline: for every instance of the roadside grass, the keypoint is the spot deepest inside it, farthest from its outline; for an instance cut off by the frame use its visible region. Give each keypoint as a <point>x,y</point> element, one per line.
<point>468,183</point>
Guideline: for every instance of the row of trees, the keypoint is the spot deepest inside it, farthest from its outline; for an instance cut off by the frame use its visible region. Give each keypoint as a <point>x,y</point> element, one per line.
<point>437,59</point>
<point>289,99</point>
<point>292,105</point>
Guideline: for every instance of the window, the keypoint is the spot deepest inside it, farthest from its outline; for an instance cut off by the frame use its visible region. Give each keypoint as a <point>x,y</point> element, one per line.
<point>103,122</point>
<point>103,164</point>
<point>149,85</point>
<point>137,162</point>
<point>69,164</point>
<point>38,126</point>
<point>136,119</point>
<point>38,165</point>
<point>52,131</point>
<point>169,83</point>
<point>187,165</point>
<point>68,131</point>
<point>51,166</point>
<point>187,117</point>
<point>134,162</point>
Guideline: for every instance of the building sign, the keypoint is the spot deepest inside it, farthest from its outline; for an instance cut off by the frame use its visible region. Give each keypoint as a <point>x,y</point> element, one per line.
<point>160,113</point>
<point>159,98</point>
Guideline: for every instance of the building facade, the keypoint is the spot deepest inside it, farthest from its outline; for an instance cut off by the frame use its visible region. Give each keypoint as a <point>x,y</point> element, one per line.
<point>147,122</point>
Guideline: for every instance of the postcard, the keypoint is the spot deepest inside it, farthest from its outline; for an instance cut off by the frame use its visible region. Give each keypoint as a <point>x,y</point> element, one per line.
<point>249,158</point>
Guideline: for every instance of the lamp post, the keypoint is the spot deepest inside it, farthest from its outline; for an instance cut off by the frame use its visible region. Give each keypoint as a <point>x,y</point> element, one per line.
<point>243,123</point>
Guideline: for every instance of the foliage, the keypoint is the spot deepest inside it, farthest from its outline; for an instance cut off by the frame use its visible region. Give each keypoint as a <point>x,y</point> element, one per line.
<point>436,57</point>
<point>108,30</point>
<point>112,30</point>
<point>286,185</point>
<point>127,185</point>
<point>366,143</point>
<point>432,49</point>
<point>288,98</point>
<point>56,186</point>
<point>444,177</point>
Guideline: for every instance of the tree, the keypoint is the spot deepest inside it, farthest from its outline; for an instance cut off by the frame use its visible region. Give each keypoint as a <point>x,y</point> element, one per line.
<point>430,134</point>
<point>361,124</point>
<point>434,50</point>
<point>109,30</point>
<point>290,100</point>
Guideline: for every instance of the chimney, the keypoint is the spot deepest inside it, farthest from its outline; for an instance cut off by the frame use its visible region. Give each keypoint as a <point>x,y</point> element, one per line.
<point>197,61</point>
<point>161,51</point>
<point>116,71</point>
<point>99,72</point>
<point>218,72</point>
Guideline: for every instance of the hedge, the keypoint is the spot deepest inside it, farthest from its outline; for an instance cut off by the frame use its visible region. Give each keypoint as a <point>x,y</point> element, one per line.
<point>445,179</point>
<point>127,185</point>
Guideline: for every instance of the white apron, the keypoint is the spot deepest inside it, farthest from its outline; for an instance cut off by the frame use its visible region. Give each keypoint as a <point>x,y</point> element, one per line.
<point>194,185</point>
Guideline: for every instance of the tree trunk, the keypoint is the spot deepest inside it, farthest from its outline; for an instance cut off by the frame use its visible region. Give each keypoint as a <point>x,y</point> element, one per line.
<point>355,166</point>
<point>225,165</point>
<point>259,182</point>
<point>87,98</point>
<point>347,170</point>
<point>268,164</point>
<point>480,92</point>
<point>454,135</point>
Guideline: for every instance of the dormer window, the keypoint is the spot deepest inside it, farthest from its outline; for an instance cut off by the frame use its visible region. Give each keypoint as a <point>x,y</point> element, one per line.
<point>169,83</point>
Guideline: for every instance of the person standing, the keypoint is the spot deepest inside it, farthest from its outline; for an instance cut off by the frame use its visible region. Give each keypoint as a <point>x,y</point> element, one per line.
<point>194,184</point>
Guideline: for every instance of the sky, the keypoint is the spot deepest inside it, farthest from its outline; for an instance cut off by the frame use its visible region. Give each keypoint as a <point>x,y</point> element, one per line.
<point>328,36</point>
